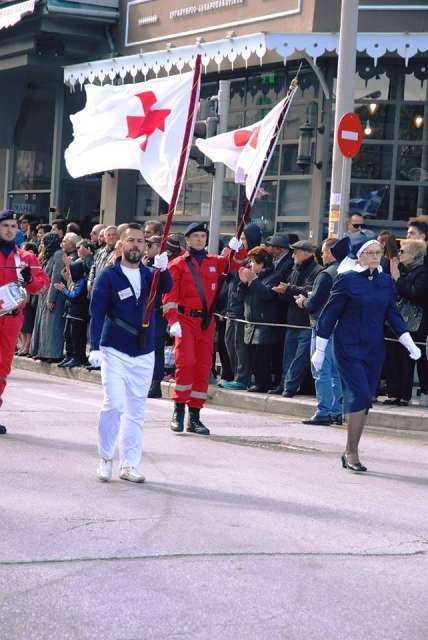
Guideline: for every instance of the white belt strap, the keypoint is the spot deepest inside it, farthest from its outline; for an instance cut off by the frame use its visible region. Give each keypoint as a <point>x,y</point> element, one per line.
<point>18,265</point>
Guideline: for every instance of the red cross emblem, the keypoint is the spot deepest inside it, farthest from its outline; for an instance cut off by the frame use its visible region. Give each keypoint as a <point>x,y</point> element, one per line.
<point>147,124</point>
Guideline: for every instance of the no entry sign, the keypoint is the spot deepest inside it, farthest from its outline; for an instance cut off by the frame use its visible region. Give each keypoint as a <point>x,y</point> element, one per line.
<point>350,135</point>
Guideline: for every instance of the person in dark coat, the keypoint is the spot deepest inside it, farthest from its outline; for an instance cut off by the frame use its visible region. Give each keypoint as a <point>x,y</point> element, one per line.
<point>410,273</point>
<point>297,344</point>
<point>237,349</point>
<point>362,299</point>
<point>259,306</point>
<point>328,385</point>
<point>76,315</point>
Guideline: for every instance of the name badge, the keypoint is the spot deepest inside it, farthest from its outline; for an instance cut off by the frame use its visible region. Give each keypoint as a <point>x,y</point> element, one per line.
<point>213,269</point>
<point>125,293</point>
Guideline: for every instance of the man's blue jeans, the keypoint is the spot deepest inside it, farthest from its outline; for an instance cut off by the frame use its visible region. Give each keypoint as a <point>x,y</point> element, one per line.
<point>296,358</point>
<point>328,384</point>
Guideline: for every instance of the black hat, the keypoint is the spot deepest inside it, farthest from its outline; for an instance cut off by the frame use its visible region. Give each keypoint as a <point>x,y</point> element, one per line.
<point>154,240</point>
<point>340,248</point>
<point>304,245</point>
<point>7,214</point>
<point>279,240</point>
<point>194,227</point>
<point>173,244</point>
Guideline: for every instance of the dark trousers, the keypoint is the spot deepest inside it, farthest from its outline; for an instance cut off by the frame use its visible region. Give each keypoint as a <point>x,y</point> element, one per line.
<point>400,370</point>
<point>239,352</point>
<point>227,372</point>
<point>260,355</point>
<point>159,368</point>
<point>75,335</point>
<point>297,358</point>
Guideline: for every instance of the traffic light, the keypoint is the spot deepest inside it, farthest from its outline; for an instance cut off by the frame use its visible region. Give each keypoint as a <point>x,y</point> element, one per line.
<point>206,128</point>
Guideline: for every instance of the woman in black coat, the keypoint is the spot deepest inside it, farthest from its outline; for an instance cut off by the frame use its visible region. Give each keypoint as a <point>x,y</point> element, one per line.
<point>410,273</point>
<point>260,305</point>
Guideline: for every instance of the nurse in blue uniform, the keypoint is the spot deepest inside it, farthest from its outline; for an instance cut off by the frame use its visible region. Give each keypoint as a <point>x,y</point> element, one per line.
<point>361,301</point>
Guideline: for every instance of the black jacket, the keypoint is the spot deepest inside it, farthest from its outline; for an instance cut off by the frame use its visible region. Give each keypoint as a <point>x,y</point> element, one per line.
<point>413,285</point>
<point>77,303</point>
<point>323,283</point>
<point>260,305</point>
<point>301,281</point>
<point>284,267</point>
<point>234,305</point>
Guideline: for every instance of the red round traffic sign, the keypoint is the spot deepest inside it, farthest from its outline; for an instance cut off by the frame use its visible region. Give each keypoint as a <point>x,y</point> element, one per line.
<point>350,135</point>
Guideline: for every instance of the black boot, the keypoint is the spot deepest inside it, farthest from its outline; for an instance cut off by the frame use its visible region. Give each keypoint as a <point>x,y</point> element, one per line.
<point>155,390</point>
<point>3,430</point>
<point>194,425</point>
<point>177,421</point>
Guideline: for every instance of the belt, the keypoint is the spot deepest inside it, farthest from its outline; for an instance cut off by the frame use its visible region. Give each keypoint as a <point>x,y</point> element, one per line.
<point>124,325</point>
<point>193,313</point>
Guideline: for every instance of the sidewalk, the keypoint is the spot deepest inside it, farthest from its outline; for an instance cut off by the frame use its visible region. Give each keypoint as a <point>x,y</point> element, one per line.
<point>411,418</point>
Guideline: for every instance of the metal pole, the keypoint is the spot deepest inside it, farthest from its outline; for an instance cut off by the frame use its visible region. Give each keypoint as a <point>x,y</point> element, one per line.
<point>339,201</point>
<point>217,193</point>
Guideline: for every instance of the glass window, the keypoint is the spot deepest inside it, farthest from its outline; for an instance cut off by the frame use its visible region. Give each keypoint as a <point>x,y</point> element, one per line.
<point>266,88</point>
<point>373,162</point>
<point>410,201</point>
<point>414,88</point>
<point>412,122</point>
<point>272,168</point>
<point>299,229</point>
<point>234,120</point>
<point>237,94</point>
<point>230,198</point>
<point>197,199</point>
<point>372,200</point>
<point>147,202</point>
<point>253,115</point>
<point>412,163</point>
<point>377,120</point>
<point>296,117</point>
<point>308,85</point>
<point>33,145</point>
<point>34,205</point>
<point>288,159</point>
<point>294,198</point>
<point>263,210</point>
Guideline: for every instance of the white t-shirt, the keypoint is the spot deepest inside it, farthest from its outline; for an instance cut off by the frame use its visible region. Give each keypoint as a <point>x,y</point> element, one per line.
<point>134,278</point>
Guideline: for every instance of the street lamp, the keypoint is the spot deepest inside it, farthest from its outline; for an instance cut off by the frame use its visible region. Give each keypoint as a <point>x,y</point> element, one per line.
<point>304,149</point>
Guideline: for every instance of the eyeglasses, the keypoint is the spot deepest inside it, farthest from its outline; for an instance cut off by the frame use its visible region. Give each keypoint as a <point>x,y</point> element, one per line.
<point>373,254</point>
<point>357,225</point>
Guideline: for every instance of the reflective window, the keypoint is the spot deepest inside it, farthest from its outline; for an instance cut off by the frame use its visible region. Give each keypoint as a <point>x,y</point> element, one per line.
<point>377,120</point>
<point>410,201</point>
<point>298,229</point>
<point>263,210</point>
<point>294,198</point>
<point>370,199</point>
<point>197,199</point>
<point>416,86</point>
<point>296,117</point>
<point>230,198</point>
<point>273,165</point>
<point>412,163</point>
<point>373,162</point>
<point>413,120</point>
<point>288,159</point>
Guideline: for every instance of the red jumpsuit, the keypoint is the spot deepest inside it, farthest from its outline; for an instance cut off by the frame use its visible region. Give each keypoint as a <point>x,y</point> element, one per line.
<point>193,351</point>
<point>10,325</point>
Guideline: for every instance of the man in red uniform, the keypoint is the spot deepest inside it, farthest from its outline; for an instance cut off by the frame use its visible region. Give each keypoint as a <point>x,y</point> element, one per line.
<point>195,276</point>
<point>14,263</point>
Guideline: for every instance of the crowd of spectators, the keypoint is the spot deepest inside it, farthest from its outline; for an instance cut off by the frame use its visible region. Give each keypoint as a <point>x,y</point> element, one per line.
<point>266,312</point>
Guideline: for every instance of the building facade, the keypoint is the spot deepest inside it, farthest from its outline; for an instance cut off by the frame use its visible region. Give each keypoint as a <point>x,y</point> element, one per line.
<point>258,46</point>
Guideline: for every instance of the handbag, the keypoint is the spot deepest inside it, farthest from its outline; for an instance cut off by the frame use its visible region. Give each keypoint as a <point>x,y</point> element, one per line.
<point>411,314</point>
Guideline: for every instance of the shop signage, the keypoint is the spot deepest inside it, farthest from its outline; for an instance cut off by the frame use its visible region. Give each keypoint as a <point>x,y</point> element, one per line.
<point>149,21</point>
<point>13,13</point>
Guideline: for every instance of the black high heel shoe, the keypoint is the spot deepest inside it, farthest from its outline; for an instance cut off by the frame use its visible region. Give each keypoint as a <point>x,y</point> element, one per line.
<point>357,467</point>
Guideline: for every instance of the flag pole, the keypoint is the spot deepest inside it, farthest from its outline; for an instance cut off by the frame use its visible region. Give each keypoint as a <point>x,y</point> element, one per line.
<point>185,148</point>
<point>247,209</point>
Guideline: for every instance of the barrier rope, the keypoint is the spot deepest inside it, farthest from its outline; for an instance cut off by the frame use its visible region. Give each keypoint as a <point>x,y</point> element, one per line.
<point>286,326</point>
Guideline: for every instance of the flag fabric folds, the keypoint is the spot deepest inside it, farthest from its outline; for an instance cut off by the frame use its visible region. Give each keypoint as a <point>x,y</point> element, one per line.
<point>132,126</point>
<point>244,150</point>
<point>368,203</point>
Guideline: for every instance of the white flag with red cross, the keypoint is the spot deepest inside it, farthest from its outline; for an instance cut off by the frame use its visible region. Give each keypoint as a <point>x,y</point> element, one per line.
<point>132,126</point>
<point>244,151</point>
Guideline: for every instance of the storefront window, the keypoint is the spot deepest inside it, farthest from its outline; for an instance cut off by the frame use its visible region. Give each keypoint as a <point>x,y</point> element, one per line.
<point>148,202</point>
<point>272,169</point>
<point>412,163</point>
<point>230,198</point>
<point>377,120</point>
<point>296,117</point>
<point>263,210</point>
<point>373,162</point>
<point>294,198</point>
<point>410,201</point>
<point>197,199</point>
<point>288,159</point>
<point>33,145</point>
<point>370,199</point>
<point>412,122</point>
<point>299,229</point>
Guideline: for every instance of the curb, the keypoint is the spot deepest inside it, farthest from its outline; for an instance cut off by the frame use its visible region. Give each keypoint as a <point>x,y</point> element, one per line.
<point>391,419</point>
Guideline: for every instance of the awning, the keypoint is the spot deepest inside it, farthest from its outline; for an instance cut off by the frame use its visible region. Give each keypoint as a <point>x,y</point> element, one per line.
<point>173,60</point>
<point>13,13</point>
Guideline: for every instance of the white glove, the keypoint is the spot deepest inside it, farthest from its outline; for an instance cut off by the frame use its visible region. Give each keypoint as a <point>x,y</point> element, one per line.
<point>94,359</point>
<point>407,341</point>
<point>235,244</point>
<point>319,353</point>
<point>175,330</point>
<point>161,261</point>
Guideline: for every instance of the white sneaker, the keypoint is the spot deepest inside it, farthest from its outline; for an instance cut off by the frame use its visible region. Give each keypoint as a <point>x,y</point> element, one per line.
<point>104,470</point>
<point>131,474</point>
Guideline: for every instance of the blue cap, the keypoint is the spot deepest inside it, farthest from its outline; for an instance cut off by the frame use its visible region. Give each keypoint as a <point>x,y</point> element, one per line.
<point>194,227</point>
<point>340,249</point>
<point>7,214</point>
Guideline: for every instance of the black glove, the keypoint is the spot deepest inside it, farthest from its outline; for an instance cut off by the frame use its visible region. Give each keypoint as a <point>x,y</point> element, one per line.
<point>26,274</point>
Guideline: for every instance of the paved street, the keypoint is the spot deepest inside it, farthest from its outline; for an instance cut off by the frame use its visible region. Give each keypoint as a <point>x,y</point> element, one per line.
<point>256,533</point>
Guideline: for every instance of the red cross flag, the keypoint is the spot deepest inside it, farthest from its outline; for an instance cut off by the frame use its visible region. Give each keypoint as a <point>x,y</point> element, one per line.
<point>247,151</point>
<point>133,126</point>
